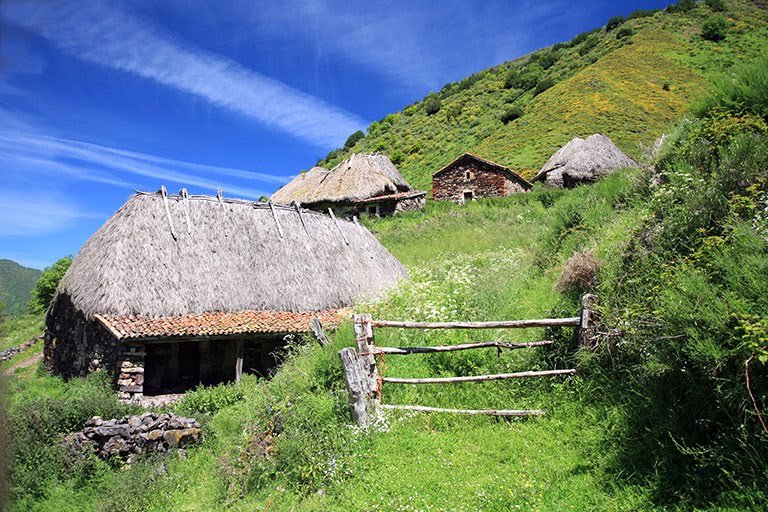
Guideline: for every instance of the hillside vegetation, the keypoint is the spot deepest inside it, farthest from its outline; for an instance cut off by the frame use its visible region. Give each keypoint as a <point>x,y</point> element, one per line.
<point>632,83</point>
<point>16,283</point>
<point>666,412</point>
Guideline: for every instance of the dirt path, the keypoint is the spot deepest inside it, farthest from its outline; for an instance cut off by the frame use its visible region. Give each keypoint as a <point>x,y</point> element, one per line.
<point>23,364</point>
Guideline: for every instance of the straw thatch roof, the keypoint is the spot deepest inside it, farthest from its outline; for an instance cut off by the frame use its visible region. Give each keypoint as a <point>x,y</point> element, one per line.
<point>359,177</point>
<point>161,257</point>
<point>583,161</point>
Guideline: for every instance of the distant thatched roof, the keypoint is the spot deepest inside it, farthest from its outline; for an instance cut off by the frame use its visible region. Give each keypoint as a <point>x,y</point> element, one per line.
<point>159,257</point>
<point>583,161</point>
<point>359,177</point>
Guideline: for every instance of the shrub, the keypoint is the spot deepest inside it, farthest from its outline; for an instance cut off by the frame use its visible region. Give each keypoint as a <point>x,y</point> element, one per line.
<point>642,13</point>
<point>714,29</point>
<point>210,400</point>
<point>432,104</point>
<point>543,85</point>
<point>624,32</point>
<point>527,78</point>
<point>614,22</point>
<point>510,114</point>
<point>38,426</point>
<point>352,139</point>
<point>715,5</point>
<point>579,273</point>
<point>746,94</point>
<point>45,287</point>
<point>665,86</point>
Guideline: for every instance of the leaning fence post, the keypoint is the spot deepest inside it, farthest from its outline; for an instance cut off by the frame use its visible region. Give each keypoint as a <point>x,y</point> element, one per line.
<point>587,325</point>
<point>360,372</point>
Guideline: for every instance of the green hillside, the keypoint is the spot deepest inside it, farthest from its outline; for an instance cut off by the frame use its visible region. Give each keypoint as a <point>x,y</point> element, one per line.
<point>667,409</point>
<point>632,83</point>
<point>16,283</point>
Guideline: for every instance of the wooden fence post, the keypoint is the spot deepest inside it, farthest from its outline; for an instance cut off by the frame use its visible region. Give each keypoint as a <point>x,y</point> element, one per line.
<point>587,327</point>
<point>360,372</point>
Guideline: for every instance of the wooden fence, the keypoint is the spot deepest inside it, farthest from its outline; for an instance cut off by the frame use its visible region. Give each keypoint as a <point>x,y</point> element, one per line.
<point>364,380</point>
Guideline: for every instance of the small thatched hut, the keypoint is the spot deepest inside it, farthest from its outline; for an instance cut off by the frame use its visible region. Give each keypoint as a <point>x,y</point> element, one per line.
<point>470,177</point>
<point>583,161</point>
<point>176,290</point>
<point>363,183</point>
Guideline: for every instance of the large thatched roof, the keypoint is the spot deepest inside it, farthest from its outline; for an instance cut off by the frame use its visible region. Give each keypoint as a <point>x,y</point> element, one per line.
<point>583,161</point>
<point>359,177</point>
<point>158,257</point>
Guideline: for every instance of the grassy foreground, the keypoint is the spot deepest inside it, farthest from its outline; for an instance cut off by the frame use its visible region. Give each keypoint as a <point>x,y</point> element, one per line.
<point>664,414</point>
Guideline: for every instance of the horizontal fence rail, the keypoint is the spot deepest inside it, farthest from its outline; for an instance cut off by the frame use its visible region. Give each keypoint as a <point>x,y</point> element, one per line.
<point>364,381</point>
<point>509,324</point>
<point>486,412</point>
<point>463,346</point>
<point>476,378</point>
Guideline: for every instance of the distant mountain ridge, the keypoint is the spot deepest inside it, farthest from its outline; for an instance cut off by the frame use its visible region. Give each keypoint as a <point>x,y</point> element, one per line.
<point>16,284</point>
<point>631,80</point>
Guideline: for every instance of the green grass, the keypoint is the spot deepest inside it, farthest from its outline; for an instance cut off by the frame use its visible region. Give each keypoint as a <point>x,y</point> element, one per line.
<point>16,330</point>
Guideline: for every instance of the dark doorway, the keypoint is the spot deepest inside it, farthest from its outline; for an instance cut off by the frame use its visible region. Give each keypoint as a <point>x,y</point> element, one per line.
<point>468,195</point>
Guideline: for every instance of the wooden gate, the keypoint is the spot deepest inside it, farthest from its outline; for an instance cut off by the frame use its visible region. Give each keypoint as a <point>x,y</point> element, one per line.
<point>364,380</point>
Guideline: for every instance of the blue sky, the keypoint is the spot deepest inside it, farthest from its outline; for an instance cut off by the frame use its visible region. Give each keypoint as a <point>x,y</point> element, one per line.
<point>101,98</point>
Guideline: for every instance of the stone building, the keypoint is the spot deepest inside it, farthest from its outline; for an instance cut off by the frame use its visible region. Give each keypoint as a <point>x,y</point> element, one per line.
<point>470,177</point>
<point>174,291</point>
<point>363,184</point>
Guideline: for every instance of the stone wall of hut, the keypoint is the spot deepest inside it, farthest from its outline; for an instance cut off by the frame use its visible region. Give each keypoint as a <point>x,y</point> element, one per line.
<point>74,346</point>
<point>387,207</point>
<point>473,178</point>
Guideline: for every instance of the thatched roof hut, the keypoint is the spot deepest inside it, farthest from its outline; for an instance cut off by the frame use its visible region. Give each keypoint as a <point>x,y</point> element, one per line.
<point>583,161</point>
<point>196,267</point>
<point>361,177</point>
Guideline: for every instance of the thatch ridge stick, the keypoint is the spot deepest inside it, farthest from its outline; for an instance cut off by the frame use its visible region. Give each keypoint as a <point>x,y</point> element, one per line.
<point>301,216</point>
<point>164,193</point>
<point>219,196</point>
<point>274,216</point>
<point>335,221</point>
<point>185,201</point>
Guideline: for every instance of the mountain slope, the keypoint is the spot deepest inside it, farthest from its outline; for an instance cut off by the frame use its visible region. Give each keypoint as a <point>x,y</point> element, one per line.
<point>632,83</point>
<point>16,283</point>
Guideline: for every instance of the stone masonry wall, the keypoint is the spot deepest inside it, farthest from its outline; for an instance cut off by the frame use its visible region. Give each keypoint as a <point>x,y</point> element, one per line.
<point>75,347</point>
<point>484,181</point>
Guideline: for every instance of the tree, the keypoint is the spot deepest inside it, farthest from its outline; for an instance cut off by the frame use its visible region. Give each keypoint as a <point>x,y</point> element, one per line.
<point>46,285</point>
<point>352,139</point>
<point>714,28</point>
<point>685,5</point>
<point>432,104</point>
<point>510,114</point>
<point>715,5</point>
<point>614,22</point>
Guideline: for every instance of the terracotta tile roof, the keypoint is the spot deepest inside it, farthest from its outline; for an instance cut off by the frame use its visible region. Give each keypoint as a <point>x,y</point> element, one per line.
<point>218,324</point>
<point>399,195</point>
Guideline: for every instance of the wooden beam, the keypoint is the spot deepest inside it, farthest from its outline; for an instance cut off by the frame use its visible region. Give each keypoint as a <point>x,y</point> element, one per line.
<point>510,324</point>
<point>317,329</point>
<point>477,378</point>
<point>239,363</point>
<point>486,412</point>
<point>464,346</point>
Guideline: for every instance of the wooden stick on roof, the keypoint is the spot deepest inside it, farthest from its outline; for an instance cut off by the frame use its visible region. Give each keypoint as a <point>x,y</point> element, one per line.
<point>167,210</point>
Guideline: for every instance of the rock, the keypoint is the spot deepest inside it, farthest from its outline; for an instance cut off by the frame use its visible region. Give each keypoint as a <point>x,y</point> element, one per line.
<point>131,435</point>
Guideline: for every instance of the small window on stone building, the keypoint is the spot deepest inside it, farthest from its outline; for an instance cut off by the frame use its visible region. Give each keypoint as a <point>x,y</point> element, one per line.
<point>468,175</point>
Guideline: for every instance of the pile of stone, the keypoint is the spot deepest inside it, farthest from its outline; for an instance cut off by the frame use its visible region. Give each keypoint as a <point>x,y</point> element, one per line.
<point>132,435</point>
<point>10,352</point>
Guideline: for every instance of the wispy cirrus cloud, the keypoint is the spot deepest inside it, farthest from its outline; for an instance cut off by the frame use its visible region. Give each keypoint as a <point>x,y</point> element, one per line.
<point>28,156</point>
<point>104,33</point>
<point>28,214</point>
<point>419,44</point>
